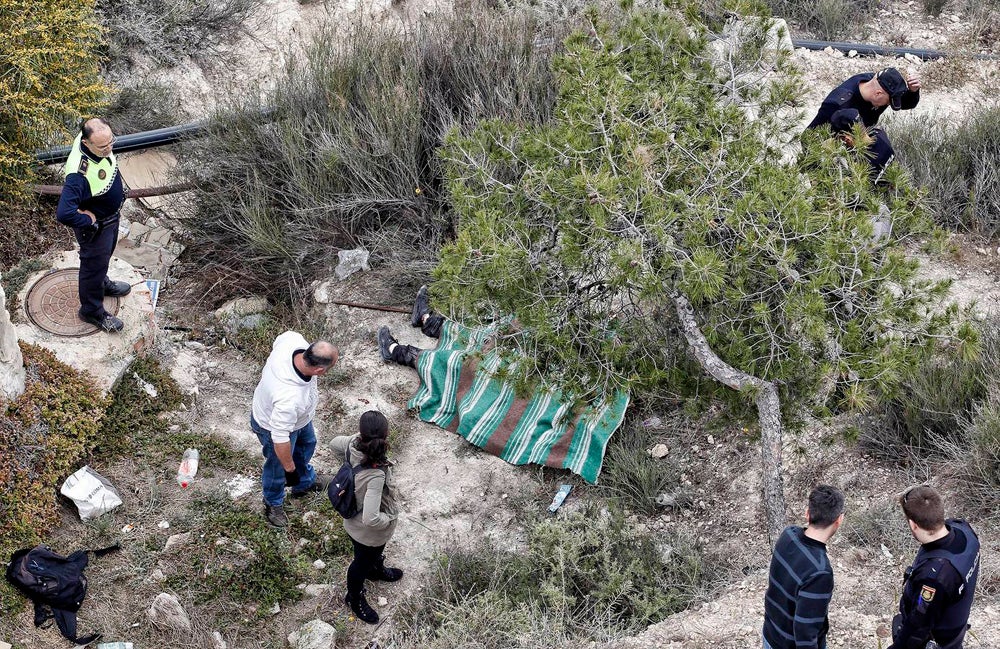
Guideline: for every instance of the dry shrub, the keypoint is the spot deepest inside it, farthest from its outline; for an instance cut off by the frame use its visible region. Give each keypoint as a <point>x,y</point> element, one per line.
<point>959,166</point>
<point>347,154</point>
<point>826,19</point>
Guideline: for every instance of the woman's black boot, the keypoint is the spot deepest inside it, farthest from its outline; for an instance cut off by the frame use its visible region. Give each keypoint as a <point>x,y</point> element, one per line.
<point>360,606</point>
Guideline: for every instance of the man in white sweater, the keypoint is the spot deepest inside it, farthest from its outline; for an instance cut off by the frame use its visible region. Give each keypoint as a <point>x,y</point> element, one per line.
<point>284,404</point>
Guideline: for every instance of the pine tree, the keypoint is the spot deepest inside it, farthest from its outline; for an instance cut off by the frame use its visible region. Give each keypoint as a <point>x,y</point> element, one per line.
<point>665,213</point>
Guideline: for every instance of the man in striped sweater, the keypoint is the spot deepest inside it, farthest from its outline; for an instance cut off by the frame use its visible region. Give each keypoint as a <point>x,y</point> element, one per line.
<point>800,583</point>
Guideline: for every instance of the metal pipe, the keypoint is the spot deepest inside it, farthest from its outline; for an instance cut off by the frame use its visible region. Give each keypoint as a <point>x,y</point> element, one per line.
<point>863,49</point>
<point>134,141</point>
<point>144,192</point>
<point>372,307</point>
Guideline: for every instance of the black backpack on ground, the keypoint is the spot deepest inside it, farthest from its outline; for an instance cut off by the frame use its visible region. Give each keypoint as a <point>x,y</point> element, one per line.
<point>341,489</point>
<point>52,581</point>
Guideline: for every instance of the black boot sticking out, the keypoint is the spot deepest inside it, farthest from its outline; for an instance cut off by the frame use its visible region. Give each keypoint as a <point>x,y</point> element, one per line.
<point>421,307</point>
<point>360,606</point>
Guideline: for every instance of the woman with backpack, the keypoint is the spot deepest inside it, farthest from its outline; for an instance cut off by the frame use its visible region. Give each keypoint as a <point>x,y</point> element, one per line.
<point>377,498</point>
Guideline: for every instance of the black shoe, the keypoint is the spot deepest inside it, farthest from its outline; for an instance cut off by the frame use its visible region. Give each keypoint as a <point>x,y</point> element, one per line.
<point>385,340</point>
<point>386,574</point>
<point>361,608</point>
<point>116,289</point>
<point>105,322</point>
<point>316,487</point>
<point>275,515</point>
<point>421,307</point>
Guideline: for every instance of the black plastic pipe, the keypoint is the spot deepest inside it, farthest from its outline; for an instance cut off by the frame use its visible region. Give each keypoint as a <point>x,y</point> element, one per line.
<point>864,49</point>
<point>134,141</point>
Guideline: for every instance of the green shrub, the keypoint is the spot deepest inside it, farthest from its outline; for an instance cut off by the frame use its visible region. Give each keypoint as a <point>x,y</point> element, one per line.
<point>583,576</point>
<point>44,433</point>
<point>133,417</point>
<point>958,163</point>
<point>15,279</point>
<point>975,455</point>
<point>933,399</point>
<point>348,155</point>
<point>237,556</point>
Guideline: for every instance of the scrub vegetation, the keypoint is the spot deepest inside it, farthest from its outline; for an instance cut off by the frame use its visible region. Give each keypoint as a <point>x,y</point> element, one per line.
<point>582,577</point>
<point>958,163</point>
<point>345,155</point>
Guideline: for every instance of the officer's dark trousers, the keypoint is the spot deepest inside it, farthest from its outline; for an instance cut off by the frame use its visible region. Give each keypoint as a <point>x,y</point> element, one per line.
<point>95,255</point>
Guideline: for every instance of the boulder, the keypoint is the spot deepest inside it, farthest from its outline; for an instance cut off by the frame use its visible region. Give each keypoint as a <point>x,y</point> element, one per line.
<point>167,613</point>
<point>241,307</point>
<point>314,634</point>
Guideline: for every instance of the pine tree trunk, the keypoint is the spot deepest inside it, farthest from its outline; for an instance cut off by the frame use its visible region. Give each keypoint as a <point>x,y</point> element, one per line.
<point>11,363</point>
<point>768,413</point>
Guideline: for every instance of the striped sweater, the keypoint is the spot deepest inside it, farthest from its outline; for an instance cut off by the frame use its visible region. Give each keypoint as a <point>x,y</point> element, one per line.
<point>798,595</point>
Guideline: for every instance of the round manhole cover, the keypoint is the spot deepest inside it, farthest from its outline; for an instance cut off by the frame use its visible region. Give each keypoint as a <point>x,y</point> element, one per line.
<point>53,302</point>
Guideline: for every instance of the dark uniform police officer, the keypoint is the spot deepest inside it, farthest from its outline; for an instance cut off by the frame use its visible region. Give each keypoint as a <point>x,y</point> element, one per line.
<point>938,588</point>
<point>870,93</point>
<point>91,197</point>
<point>863,98</point>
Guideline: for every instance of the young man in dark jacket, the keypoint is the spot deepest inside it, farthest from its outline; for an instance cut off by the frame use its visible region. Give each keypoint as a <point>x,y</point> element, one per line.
<point>800,582</point>
<point>939,586</point>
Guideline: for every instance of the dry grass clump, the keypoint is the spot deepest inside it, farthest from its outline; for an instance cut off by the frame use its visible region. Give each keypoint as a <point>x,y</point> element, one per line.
<point>959,166</point>
<point>947,411</point>
<point>825,19</point>
<point>584,576</point>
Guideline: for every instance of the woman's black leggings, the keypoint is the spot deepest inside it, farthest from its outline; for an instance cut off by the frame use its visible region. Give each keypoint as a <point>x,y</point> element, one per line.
<point>367,560</point>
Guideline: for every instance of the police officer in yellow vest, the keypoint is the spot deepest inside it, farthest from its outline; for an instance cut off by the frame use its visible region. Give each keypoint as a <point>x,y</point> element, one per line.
<point>91,197</point>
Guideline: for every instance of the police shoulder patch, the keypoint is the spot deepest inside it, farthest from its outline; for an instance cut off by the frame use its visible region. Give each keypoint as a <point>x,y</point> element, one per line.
<point>927,593</point>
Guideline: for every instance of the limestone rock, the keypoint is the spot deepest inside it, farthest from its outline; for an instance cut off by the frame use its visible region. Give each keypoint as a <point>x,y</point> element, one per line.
<point>314,634</point>
<point>241,307</point>
<point>167,613</point>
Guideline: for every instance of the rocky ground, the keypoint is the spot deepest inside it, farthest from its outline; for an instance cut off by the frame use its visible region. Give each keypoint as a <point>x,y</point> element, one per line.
<point>485,496</point>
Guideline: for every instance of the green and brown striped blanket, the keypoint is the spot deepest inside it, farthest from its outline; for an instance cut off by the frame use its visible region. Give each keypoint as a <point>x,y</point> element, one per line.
<point>458,392</point>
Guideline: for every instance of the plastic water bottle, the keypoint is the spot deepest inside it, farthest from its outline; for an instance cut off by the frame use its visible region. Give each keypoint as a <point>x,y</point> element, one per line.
<point>188,468</point>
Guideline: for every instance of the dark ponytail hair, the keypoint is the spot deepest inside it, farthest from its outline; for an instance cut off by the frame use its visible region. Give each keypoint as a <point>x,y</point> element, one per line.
<point>373,442</point>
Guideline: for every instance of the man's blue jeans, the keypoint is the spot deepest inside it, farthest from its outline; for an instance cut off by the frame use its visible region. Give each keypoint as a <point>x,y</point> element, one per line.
<point>272,478</point>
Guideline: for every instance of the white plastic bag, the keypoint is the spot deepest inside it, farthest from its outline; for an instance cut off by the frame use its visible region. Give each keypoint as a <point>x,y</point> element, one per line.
<point>91,492</point>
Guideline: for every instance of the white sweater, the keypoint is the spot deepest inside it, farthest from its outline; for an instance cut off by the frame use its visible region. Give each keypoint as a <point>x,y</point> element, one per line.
<point>283,402</point>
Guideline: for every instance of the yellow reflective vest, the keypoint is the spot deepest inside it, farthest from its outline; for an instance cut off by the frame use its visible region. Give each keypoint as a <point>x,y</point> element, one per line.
<point>100,175</point>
